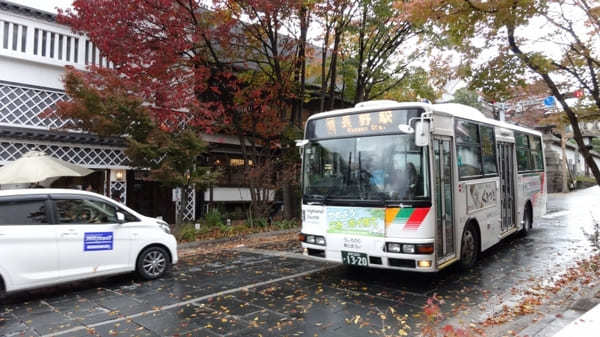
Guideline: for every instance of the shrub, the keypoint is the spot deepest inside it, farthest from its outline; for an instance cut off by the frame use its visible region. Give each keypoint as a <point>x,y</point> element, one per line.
<point>213,218</point>
<point>285,224</point>
<point>187,232</point>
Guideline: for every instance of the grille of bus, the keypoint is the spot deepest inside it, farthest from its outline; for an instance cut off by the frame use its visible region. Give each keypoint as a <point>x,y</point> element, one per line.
<point>316,252</point>
<point>405,263</point>
<point>374,260</point>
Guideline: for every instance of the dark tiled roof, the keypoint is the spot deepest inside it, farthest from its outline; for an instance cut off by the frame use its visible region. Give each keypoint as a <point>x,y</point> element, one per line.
<point>28,11</point>
<point>59,136</point>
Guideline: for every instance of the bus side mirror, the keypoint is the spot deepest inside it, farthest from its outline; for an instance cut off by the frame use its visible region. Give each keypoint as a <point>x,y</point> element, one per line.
<point>300,143</point>
<point>421,133</point>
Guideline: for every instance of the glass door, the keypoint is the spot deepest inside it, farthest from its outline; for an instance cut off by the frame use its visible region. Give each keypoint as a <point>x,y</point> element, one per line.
<point>507,192</point>
<point>444,203</point>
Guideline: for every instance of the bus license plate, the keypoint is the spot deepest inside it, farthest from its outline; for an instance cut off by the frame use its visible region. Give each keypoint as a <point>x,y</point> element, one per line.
<point>356,259</point>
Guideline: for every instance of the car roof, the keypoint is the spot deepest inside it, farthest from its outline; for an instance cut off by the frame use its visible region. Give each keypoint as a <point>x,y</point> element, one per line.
<point>46,191</point>
<point>42,191</point>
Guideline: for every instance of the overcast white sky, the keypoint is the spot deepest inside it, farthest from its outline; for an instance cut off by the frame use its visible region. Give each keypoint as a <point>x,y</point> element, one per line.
<point>46,5</point>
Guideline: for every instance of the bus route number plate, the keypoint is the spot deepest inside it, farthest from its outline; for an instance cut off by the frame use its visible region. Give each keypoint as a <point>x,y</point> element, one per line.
<point>356,259</point>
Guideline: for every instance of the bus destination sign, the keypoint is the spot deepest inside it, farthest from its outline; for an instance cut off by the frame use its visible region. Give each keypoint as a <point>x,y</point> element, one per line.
<point>366,123</point>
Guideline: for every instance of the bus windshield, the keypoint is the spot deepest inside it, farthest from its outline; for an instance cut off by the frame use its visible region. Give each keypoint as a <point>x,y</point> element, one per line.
<point>375,168</point>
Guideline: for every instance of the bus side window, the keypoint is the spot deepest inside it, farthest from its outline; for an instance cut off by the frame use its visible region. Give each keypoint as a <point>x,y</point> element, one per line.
<point>536,153</point>
<point>523,159</point>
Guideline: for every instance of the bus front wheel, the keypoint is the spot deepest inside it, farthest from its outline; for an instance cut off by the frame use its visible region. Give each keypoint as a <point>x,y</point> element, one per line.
<point>469,247</point>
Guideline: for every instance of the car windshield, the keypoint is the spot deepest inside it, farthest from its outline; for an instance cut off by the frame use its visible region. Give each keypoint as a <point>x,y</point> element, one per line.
<point>375,168</point>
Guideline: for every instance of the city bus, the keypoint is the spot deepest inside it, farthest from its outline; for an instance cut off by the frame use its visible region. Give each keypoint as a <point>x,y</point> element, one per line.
<point>416,186</point>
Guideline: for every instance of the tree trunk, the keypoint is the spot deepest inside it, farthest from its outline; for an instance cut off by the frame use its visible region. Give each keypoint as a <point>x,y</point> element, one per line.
<point>360,89</point>
<point>583,149</point>
<point>323,69</point>
<point>333,65</point>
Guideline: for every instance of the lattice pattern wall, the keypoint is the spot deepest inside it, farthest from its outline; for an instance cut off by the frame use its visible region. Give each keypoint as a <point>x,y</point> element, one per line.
<point>190,211</point>
<point>23,106</point>
<point>88,156</point>
<point>118,191</point>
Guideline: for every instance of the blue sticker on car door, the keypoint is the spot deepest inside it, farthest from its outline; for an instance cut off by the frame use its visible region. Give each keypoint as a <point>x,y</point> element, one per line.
<point>94,241</point>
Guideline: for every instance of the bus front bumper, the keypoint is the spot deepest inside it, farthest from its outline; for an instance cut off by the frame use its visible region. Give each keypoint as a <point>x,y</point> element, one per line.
<point>384,260</point>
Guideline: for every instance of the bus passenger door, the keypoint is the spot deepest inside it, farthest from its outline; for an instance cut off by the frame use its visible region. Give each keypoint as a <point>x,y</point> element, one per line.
<point>442,170</point>
<point>507,185</point>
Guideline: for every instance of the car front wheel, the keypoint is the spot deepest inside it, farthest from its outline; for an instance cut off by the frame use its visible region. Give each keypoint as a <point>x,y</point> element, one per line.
<point>152,263</point>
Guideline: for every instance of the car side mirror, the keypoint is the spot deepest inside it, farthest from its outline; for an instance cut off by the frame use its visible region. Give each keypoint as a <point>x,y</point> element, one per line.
<point>120,217</point>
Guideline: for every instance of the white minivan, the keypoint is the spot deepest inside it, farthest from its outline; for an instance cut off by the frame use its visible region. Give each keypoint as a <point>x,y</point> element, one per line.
<point>50,236</point>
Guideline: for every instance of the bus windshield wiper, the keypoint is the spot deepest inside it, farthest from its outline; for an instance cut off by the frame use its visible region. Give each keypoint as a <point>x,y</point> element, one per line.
<point>316,198</point>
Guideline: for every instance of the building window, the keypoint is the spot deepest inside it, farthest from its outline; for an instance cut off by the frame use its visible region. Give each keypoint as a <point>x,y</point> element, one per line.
<point>68,51</point>
<point>76,51</point>
<point>5,37</point>
<point>24,38</point>
<point>87,52</point>
<point>15,37</point>
<point>60,46</point>
<point>52,36</point>
<point>36,40</point>
<point>44,40</point>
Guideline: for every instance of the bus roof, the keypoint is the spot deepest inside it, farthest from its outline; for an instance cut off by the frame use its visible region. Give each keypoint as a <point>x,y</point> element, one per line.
<point>453,109</point>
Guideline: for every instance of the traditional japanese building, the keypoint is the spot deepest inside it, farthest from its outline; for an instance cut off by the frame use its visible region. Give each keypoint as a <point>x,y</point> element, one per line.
<point>34,50</point>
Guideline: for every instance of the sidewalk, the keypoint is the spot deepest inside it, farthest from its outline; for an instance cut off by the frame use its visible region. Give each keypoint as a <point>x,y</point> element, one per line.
<point>580,319</point>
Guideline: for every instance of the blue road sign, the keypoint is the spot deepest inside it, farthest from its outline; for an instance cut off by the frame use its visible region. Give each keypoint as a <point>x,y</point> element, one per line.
<point>549,101</point>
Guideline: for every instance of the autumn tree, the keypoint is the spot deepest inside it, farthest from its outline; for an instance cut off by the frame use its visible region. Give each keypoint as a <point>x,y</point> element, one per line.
<point>381,35</point>
<point>555,41</point>
<point>334,17</point>
<point>271,41</point>
<point>184,60</point>
<point>102,103</point>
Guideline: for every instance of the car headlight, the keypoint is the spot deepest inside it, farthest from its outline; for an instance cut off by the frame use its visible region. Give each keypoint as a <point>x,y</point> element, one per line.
<point>165,227</point>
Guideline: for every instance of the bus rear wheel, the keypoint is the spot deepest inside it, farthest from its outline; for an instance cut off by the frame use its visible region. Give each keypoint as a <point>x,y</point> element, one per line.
<point>469,247</point>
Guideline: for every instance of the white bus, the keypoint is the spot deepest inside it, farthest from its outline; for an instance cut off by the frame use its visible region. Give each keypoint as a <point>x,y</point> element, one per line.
<point>416,186</point>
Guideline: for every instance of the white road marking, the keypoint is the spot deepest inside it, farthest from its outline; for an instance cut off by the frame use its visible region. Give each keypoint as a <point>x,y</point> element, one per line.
<point>190,301</point>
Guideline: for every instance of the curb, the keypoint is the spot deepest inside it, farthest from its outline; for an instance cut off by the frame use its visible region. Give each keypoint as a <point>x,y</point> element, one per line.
<point>196,244</point>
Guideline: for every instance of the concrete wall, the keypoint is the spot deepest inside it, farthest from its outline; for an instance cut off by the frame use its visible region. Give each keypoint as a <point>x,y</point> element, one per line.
<point>553,155</point>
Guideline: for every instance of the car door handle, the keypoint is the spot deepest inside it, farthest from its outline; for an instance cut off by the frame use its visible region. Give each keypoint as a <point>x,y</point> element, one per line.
<point>71,232</point>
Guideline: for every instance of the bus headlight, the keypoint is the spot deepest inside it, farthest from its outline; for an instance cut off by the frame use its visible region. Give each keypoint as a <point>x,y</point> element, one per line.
<point>408,249</point>
<point>313,239</point>
<point>393,247</point>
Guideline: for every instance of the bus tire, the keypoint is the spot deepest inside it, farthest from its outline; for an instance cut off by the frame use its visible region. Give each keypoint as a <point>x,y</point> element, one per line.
<point>469,246</point>
<point>2,288</point>
<point>527,219</point>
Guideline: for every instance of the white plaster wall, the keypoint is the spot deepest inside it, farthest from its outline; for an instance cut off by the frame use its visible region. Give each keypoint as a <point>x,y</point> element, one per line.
<point>231,194</point>
<point>31,73</point>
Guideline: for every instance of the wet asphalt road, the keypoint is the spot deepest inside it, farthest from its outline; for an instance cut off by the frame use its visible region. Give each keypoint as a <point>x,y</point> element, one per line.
<point>257,293</point>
